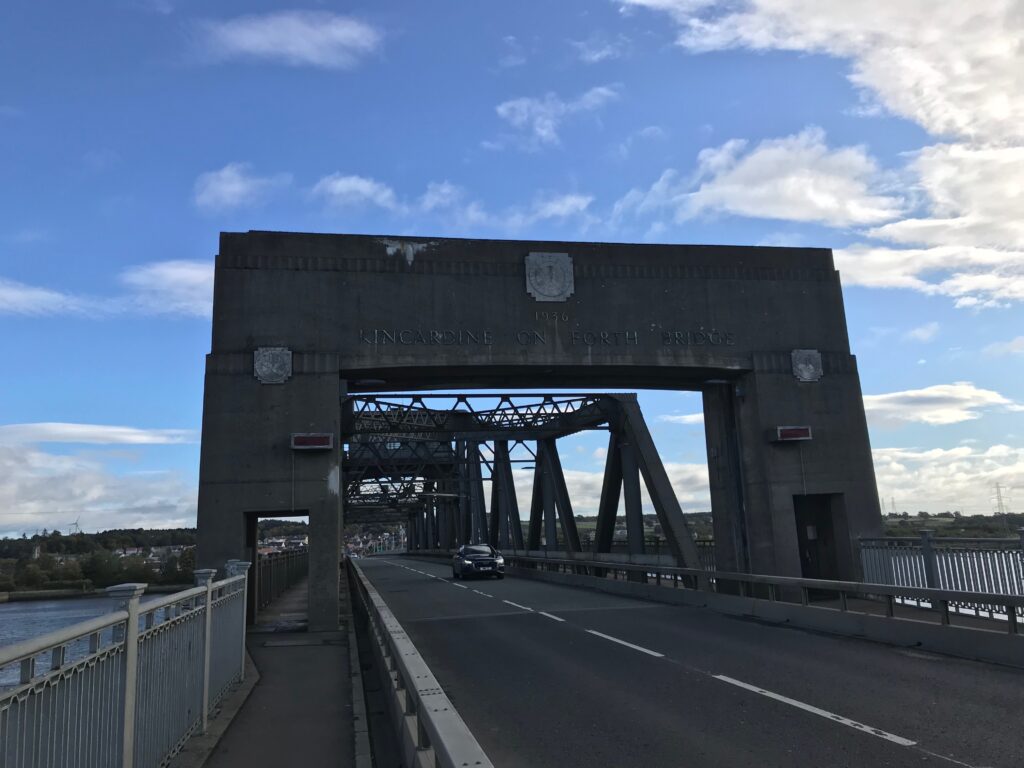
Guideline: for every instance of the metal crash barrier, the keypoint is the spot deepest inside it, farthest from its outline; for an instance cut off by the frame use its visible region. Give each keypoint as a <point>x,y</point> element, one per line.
<point>881,612</point>
<point>430,731</point>
<point>128,688</point>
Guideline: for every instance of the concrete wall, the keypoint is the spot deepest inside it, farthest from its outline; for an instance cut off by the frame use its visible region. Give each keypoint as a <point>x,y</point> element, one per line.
<point>364,313</point>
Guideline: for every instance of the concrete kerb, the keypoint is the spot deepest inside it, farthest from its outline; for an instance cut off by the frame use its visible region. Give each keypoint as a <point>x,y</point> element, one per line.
<point>429,729</point>
<point>360,722</point>
<point>199,748</point>
<point>961,642</point>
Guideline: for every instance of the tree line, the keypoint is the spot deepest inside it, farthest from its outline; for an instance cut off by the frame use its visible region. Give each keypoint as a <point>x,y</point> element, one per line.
<point>84,561</point>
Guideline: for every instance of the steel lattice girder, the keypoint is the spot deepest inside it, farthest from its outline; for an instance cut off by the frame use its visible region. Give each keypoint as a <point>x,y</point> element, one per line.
<point>397,445</point>
<point>540,417</point>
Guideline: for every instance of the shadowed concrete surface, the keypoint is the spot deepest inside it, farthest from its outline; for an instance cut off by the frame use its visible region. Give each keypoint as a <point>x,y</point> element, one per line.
<point>300,712</point>
<point>547,675</point>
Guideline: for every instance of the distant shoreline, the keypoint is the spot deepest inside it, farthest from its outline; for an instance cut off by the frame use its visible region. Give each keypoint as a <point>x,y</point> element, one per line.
<point>27,595</point>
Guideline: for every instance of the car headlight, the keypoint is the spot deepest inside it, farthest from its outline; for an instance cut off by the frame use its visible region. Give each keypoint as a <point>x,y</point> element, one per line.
<point>499,560</point>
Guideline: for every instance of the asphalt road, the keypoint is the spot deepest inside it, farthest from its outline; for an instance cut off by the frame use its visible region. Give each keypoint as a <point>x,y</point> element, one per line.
<point>546,675</point>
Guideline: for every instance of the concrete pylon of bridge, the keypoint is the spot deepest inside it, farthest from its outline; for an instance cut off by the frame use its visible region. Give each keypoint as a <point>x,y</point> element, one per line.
<point>249,470</point>
<point>301,321</point>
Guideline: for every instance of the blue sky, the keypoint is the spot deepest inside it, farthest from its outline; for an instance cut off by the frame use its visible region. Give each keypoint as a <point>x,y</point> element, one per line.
<point>132,132</point>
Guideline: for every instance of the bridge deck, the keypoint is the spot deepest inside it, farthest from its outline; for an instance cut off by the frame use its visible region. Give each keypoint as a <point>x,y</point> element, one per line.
<point>548,675</point>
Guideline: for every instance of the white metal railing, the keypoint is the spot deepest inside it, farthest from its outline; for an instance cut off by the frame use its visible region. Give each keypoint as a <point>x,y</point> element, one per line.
<point>128,688</point>
<point>994,566</point>
<point>278,571</point>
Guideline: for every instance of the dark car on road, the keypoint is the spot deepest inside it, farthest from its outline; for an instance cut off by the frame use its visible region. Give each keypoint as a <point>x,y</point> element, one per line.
<point>477,560</point>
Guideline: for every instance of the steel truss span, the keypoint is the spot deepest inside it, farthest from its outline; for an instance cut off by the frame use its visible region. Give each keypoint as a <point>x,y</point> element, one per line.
<point>425,458</point>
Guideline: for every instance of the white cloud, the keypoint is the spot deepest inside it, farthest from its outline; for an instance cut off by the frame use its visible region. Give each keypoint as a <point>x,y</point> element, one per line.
<point>974,198</point>
<point>558,207</point>
<point>969,226</point>
<point>21,299</point>
<point>474,215</point>
<point>598,48</point>
<point>939,404</point>
<point>163,7</point>
<point>440,195</point>
<point>540,118</point>
<point>796,178</point>
<point>975,277</point>
<point>297,38</point>
<point>48,490</point>
<point>164,287</point>
<point>940,479</point>
<point>954,68</point>
<point>647,133</point>
<point>171,287</point>
<point>514,54</point>
<point>448,203</point>
<point>1014,346</point>
<point>97,434</point>
<point>924,332</point>
<point>233,187</point>
<point>685,418</point>
<point>343,191</point>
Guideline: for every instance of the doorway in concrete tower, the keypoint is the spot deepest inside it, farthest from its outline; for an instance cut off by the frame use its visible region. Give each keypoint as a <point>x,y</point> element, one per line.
<point>275,562</point>
<point>815,529</point>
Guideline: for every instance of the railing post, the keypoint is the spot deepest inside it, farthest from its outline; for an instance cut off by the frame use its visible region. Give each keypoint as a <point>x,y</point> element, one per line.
<point>129,595</point>
<point>241,568</point>
<point>204,578</point>
<point>931,567</point>
<point>1020,532</point>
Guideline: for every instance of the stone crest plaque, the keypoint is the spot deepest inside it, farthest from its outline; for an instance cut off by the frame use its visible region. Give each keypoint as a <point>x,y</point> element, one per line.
<point>549,276</point>
<point>272,365</point>
<point>807,364</point>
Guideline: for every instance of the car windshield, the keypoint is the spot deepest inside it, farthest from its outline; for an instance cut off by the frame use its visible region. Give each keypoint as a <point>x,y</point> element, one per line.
<point>478,551</point>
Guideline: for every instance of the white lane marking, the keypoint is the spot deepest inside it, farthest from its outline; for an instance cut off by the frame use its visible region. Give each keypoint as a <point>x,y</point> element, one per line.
<point>820,712</point>
<point>460,586</point>
<point>482,593</point>
<point>551,616</point>
<point>628,645</point>
<point>947,759</point>
<point>517,605</point>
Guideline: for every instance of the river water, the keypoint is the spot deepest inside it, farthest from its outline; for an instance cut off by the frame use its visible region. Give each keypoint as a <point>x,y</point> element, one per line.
<point>31,618</point>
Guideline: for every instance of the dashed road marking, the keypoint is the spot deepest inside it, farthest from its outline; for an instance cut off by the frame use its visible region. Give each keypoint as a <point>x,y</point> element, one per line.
<point>640,648</point>
<point>876,732</point>
<point>820,712</point>
<point>551,616</point>
<point>517,605</point>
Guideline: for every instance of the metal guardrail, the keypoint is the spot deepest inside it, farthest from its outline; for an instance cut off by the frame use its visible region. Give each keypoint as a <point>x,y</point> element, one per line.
<point>994,566</point>
<point>126,689</point>
<point>278,571</point>
<point>430,731</point>
<point>777,588</point>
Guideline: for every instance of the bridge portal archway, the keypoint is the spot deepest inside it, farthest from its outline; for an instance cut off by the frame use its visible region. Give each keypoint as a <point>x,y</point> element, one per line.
<point>302,320</point>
